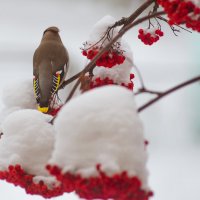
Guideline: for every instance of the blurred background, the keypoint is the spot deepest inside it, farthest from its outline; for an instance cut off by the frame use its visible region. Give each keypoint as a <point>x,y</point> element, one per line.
<point>172,125</point>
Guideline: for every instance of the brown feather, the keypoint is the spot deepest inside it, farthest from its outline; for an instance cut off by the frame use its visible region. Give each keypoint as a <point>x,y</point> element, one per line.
<point>50,57</point>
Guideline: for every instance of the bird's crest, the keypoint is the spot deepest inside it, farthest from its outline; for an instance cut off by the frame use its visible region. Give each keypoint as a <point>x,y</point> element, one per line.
<point>52,29</point>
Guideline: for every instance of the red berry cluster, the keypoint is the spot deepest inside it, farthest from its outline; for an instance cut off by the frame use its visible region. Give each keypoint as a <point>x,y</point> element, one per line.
<point>98,82</point>
<point>17,176</point>
<point>54,111</point>
<point>109,59</point>
<point>182,12</point>
<point>116,187</point>
<point>149,37</point>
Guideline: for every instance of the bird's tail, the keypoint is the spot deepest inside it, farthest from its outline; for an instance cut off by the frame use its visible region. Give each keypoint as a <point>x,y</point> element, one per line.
<point>45,84</point>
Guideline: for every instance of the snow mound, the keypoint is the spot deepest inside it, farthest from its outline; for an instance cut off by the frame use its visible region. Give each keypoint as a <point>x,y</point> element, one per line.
<point>19,94</point>
<point>101,127</point>
<point>25,148</point>
<point>7,111</point>
<point>27,140</point>
<point>99,29</point>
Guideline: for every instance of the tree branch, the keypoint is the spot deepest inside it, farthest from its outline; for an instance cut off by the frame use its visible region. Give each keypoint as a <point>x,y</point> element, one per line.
<point>133,16</point>
<point>144,90</point>
<point>70,80</point>
<point>167,92</point>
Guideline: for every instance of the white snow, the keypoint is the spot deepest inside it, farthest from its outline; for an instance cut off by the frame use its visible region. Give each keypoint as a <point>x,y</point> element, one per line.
<point>119,73</point>
<point>99,29</point>
<point>28,140</point>
<point>101,127</point>
<point>16,96</point>
<point>19,94</point>
<point>7,111</point>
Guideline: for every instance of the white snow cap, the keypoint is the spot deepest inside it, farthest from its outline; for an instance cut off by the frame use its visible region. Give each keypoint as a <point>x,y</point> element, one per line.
<point>28,140</point>
<point>19,94</point>
<point>119,73</point>
<point>101,127</point>
<point>99,29</point>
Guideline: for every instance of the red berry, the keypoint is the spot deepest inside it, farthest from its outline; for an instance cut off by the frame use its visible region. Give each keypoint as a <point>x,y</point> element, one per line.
<point>84,53</point>
<point>141,31</point>
<point>132,76</point>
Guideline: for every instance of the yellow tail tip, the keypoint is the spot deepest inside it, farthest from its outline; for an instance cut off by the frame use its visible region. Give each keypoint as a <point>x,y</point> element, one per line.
<point>43,109</point>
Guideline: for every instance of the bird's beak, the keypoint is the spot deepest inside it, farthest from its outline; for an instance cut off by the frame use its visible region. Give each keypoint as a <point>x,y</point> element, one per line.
<point>43,109</point>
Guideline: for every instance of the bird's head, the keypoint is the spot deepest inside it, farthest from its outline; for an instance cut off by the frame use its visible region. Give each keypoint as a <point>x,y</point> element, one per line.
<point>52,29</point>
<point>51,33</point>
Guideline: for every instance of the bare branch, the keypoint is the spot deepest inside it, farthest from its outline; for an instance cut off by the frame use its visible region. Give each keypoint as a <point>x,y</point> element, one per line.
<point>167,92</point>
<point>143,7</point>
<point>70,80</point>
<point>139,76</point>
<point>144,90</point>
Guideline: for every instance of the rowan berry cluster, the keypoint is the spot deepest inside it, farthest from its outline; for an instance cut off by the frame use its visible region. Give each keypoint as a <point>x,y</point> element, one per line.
<point>182,12</point>
<point>120,186</point>
<point>148,37</point>
<point>17,176</point>
<point>98,82</point>
<point>109,59</point>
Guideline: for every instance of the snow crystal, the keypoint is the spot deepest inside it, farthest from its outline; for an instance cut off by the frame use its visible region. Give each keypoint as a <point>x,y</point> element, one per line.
<point>101,127</point>
<point>27,140</point>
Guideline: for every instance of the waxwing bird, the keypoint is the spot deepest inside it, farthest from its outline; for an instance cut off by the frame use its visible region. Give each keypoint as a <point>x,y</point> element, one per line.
<point>50,65</point>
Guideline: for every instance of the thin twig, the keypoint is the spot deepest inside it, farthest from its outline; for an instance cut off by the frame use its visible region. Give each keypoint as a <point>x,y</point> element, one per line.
<point>74,89</point>
<point>156,6</point>
<point>144,90</point>
<point>133,16</point>
<point>139,76</point>
<point>129,26</point>
<point>169,91</point>
<point>165,20</point>
<point>70,80</point>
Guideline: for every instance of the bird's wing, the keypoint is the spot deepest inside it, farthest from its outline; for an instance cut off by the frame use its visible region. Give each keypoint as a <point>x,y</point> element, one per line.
<point>58,78</point>
<point>36,88</point>
<point>60,68</point>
